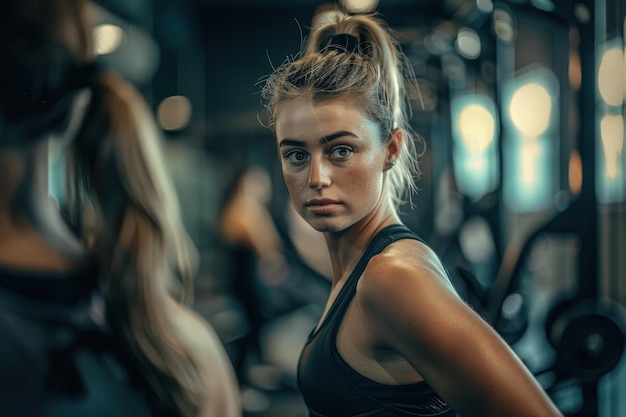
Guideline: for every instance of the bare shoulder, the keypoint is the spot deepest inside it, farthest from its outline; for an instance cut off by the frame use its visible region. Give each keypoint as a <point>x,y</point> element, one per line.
<point>210,355</point>
<point>406,265</point>
<point>405,293</point>
<point>408,303</point>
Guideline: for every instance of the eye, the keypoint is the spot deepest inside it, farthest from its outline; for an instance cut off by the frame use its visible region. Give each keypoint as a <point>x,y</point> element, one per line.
<point>341,152</point>
<point>296,157</point>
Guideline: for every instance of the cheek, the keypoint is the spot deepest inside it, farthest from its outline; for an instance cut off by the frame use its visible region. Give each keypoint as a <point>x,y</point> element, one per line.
<point>369,172</point>
<point>292,183</point>
<point>365,181</point>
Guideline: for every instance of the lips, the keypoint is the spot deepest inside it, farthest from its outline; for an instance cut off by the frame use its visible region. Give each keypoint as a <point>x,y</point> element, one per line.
<point>322,205</point>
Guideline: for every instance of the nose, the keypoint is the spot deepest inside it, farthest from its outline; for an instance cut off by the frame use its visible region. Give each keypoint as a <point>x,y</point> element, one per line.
<point>319,174</point>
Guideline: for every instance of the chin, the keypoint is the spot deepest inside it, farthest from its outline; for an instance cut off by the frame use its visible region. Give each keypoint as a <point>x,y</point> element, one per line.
<point>327,225</point>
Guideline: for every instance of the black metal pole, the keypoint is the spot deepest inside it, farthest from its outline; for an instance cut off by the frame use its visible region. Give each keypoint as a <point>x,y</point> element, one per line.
<point>588,221</point>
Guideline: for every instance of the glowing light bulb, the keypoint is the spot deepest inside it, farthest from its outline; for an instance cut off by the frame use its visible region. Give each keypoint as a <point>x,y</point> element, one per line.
<point>107,38</point>
<point>530,109</point>
<point>611,77</point>
<point>612,134</point>
<point>477,127</point>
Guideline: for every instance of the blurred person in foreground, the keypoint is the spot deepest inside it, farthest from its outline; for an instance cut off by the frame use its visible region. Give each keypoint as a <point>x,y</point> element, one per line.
<point>395,338</point>
<point>93,312</point>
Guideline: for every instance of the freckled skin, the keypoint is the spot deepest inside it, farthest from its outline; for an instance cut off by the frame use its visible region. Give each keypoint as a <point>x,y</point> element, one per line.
<point>405,323</point>
<point>348,169</point>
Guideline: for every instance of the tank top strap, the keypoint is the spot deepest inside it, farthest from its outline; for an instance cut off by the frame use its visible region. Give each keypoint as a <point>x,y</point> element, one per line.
<point>379,242</point>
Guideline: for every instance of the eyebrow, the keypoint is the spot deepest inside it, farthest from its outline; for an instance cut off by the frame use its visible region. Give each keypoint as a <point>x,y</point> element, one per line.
<point>325,139</point>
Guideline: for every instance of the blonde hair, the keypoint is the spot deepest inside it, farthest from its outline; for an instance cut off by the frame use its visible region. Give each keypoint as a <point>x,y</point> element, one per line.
<point>116,169</point>
<point>377,73</point>
<point>116,173</point>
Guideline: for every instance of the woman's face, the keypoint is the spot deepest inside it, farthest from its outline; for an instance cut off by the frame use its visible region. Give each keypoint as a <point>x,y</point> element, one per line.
<point>333,160</point>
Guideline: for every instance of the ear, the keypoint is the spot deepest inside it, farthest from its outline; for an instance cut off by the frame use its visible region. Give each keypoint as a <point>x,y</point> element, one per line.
<point>393,147</point>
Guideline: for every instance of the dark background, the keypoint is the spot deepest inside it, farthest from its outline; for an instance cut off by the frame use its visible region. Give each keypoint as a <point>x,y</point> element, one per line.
<point>216,54</point>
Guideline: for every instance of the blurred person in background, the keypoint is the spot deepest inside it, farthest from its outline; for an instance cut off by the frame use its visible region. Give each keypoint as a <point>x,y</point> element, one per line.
<point>93,312</point>
<point>395,338</point>
<point>254,253</point>
<point>269,276</point>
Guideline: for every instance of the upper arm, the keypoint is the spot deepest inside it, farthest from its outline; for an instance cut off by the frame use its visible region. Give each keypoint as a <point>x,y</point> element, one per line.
<point>413,309</point>
<point>222,399</point>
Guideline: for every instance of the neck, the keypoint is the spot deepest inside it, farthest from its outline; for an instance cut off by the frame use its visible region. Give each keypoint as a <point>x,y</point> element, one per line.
<point>346,247</point>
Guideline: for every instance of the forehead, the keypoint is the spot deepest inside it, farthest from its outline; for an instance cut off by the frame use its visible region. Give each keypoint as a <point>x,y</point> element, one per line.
<point>301,118</point>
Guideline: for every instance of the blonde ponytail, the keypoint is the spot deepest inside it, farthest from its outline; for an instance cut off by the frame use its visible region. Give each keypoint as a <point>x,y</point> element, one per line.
<point>143,251</point>
<point>117,192</point>
<point>377,73</point>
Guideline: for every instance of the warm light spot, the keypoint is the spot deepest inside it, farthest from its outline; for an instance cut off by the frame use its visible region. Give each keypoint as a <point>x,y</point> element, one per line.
<point>359,6</point>
<point>530,109</point>
<point>174,113</point>
<point>612,134</point>
<point>575,73</point>
<point>477,128</point>
<point>529,154</point>
<point>575,173</point>
<point>107,38</point>
<point>611,77</point>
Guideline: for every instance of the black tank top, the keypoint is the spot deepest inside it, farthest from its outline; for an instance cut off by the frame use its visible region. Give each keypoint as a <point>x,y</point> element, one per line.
<point>331,388</point>
<point>56,357</point>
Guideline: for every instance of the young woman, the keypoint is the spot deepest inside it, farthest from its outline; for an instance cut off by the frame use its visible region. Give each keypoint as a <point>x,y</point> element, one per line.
<point>92,316</point>
<point>395,339</point>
